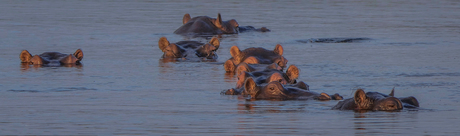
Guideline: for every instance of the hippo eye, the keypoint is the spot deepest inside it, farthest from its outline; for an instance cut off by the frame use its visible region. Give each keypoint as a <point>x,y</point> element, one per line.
<point>281,80</point>
<point>272,88</point>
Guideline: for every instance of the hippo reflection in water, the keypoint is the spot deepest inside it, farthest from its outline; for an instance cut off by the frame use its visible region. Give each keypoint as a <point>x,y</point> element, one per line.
<point>255,56</point>
<point>275,90</point>
<point>51,58</point>
<point>376,102</point>
<point>204,25</point>
<point>183,48</point>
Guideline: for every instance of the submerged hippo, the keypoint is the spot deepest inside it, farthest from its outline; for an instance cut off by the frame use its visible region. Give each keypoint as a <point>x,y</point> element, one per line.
<point>255,56</point>
<point>275,90</point>
<point>376,101</point>
<point>204,25</point>
<point>183,48</point>
<point>51,58</point>
<point>267,76</point>
<point>242,29</point>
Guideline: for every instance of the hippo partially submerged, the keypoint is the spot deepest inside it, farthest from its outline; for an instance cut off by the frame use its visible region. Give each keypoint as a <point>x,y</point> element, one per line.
<point>266,76</point>
<point>183,48</point>
<point>204,25</point>
<point>242,29</point>
<point>51,58</point>
<point>275,90</point>
<point>376,101</point>
<point>255,56</point>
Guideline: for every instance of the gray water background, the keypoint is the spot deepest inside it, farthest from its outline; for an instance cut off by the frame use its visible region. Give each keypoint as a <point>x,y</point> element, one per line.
<point>124,88</point>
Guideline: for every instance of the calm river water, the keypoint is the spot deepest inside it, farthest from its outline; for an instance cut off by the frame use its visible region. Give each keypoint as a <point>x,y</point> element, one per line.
<point>124,88</point>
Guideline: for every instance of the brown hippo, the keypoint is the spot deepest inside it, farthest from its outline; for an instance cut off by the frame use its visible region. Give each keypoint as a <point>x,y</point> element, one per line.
<point>255,56</point>
<point>183,48</point>
<point>266,76</point>
<point>204,25</point>
<point>275,90</point>
<point>51,58</point>
<point>376,102</point>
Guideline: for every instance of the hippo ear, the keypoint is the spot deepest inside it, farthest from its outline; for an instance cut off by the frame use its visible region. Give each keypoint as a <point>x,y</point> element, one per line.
<point>278,49</point>
<point>293,73</point>
<point>235,51</point>
<point>163,43</point>
<point>218,23</point>
<point>233,23</point>
<point>25,56</point>
<point>186,18</point>
<point>302,85</point>
<point>392,92</point>
<point>215,42</point>
<point>78,54</point>
<point>229,66</point>
<point>360,97</point>
<point>250,87</point>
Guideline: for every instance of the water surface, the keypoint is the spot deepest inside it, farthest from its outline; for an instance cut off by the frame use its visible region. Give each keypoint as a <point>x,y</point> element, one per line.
<point>124,88</point>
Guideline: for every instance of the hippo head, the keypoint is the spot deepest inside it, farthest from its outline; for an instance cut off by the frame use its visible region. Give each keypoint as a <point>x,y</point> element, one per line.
<point>375,101</point>
<point>272,90</point>
<point>271,75</point>
<point>227,27</point>
<point>171,50</point>
<point>47,57</point>
<point>209,49</point>
<point>255,56</point>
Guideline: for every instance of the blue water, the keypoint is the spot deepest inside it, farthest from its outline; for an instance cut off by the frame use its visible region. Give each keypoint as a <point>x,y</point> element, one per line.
<point>124,88</point>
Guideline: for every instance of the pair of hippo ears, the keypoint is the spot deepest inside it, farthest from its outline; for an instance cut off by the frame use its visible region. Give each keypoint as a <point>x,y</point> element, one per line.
<point>25,56</point>
<point>235,51</point>
<point>218,22</point>
<point>163,43</point>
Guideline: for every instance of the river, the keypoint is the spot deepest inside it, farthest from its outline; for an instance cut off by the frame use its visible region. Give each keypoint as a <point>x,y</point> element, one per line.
<point>124,88</point>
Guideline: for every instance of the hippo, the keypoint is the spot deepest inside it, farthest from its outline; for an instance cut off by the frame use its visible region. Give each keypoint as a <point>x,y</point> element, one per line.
<point>255,55</point>
<point>183,48</point>
<point>266,76</point>
<point>242,29</point>
<point>376,101</point>
<point>51,58</point>
<point>275,90</point>
<point>204,25</point>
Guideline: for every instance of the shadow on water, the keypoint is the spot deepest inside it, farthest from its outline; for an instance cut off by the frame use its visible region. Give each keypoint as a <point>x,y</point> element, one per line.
<point>334,40</point>
<point>60,89</point>
<point>253,108</point>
